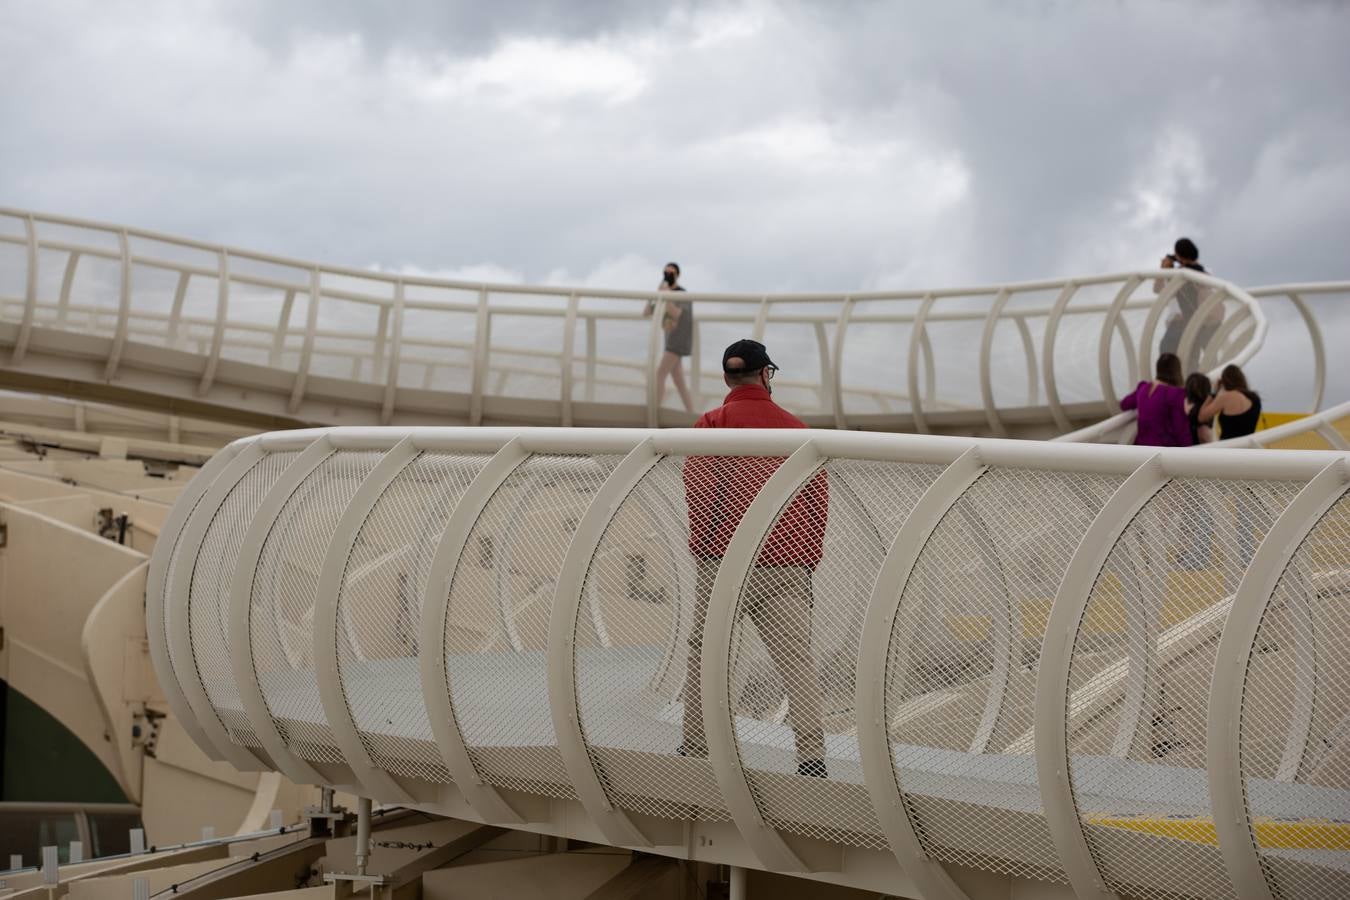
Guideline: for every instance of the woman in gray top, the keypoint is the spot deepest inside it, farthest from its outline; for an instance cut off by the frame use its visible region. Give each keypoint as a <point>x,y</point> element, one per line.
<point>678,324</point>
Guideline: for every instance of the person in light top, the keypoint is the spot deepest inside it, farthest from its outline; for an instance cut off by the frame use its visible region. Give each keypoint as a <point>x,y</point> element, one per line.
<point>678,324</point>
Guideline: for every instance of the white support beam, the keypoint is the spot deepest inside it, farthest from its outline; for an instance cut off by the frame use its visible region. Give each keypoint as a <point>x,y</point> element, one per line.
<point>157,603</point>
<point>484,798</point>
<point>883,610</point>
<point>1227,689</point>
<point>986,349</point>
<point>1052,682</point>
<point>564,706</point>
<point>177,590</point>
<point>239,613</point>
<point>723,608</point>
<point>328,594</point>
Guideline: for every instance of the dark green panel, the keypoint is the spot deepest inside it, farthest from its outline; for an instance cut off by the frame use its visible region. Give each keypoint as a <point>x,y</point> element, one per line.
<point>44,762</point>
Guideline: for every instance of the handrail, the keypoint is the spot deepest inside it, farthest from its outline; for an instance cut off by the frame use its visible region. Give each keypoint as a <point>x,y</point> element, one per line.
<point>373,330</point>
<point>542,717</point>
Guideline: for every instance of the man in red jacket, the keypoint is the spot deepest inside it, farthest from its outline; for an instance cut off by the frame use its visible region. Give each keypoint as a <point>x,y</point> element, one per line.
<point>777,593</point>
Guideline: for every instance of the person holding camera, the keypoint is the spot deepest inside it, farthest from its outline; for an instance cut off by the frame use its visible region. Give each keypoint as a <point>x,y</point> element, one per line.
<point>1185,255</point>
<point>678,324</point>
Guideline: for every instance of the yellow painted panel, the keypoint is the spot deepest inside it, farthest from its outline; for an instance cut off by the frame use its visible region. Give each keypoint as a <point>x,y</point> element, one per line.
<point>1271,834</point>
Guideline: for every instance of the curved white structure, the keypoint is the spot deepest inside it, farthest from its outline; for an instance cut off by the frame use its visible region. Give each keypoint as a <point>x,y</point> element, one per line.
<point>1115,669</point>
<point>126,315</point>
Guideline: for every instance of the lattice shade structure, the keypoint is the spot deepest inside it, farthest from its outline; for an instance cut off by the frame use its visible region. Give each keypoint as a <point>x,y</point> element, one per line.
<point>870,659</point>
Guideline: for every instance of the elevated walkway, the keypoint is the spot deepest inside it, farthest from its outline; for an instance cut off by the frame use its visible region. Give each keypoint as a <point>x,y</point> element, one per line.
<point>1106,668</point>
<point>122,315</point>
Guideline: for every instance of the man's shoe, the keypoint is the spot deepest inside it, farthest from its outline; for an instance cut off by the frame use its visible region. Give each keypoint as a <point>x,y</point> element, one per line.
<point>812,768</point>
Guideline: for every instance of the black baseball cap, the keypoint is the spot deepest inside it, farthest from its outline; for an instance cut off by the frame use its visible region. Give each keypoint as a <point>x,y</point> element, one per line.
<point>753,354</point>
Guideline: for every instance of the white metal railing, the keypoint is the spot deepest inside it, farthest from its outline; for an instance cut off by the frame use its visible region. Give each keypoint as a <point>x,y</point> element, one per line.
<point>1116,666</point>
<point>1120,429</point>
<point>1057,350</point>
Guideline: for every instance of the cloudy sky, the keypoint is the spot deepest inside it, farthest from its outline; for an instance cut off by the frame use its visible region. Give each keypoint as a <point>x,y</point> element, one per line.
<point>764,145</point>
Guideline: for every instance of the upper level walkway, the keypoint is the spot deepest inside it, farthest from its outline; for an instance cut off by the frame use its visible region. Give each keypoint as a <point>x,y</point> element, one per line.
<point>1028,668</point>
<point>117,314</point>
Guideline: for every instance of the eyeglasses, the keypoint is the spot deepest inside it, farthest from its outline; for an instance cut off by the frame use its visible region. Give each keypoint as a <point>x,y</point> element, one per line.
<point>772,370</point>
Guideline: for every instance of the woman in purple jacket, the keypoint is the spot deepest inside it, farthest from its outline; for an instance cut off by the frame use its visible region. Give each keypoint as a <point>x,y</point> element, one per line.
<point>1162,407</point>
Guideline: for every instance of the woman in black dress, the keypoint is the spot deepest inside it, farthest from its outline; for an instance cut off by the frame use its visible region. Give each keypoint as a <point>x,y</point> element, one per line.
<point>1237,406</point>
<point>678,324</point>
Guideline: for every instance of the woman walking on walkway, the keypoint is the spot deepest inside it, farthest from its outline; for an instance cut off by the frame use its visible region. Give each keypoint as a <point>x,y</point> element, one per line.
<point>678,324</point>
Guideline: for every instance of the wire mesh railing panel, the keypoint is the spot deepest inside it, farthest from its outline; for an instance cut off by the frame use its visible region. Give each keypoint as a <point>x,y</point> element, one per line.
<point>634,642</point>
<point>1157,610</point>
<point>281,604</point>
<point>795,646</point>
<point>497,619</point>
<point>962,662</point>
<point>1295,733</point>
<point>209,592</point>
<point>379,612</point>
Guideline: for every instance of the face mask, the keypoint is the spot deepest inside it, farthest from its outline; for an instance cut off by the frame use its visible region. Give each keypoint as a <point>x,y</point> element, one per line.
<point>670,278</point>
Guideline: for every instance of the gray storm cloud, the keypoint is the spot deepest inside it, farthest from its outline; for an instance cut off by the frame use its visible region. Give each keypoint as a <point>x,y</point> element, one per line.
<point>766,146</point>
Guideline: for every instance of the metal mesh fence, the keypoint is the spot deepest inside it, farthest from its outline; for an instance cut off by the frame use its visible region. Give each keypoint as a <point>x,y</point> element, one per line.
<point>497,620</point>
<point>1295,732</point>
<point>962,662</point>
<point>209,592</point>
<point>1137,725</point>
<point>795,646</point>
<point>380,612</point>
<point>281,605</point>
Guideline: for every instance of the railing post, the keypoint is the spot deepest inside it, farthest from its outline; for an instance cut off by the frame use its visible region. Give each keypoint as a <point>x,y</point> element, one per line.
<point>916,338</point>
<point>176,310</point>
<point>283,325</point>
<point>1174,284</point>
<point>1109,325</point>
<point>986,379</point>
<point>222,316</point>
<point>1227,688</point>
<point>395,354</point>
<point>1048,355</point>
<point>381,337</point>
<point>654,349</point>
<point>836,365</point>
<point>1029,350</point>
<point>123,308</point>
<point>617,827</point>
<point>591,351</point>
<point>482,341</point>
<point>883,610</point>
<point>29,292</point>
<point>568,354</point>
<point>1318,347</point>
<point>307,347</point>
<point>1052,681</point>
<point>67,282</point>
<point>484,798</point>
<point>1215,298</point>
<point>761,320</point>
